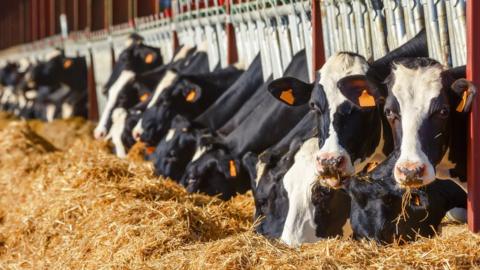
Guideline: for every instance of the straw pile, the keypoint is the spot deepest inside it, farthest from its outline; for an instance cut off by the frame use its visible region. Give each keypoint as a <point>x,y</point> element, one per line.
<point>79,207</point>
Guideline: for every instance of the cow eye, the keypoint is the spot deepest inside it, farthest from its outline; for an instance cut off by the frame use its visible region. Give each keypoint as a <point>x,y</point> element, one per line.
<point>444,112</point>
<point>390,114</point>
<point>315,107</point>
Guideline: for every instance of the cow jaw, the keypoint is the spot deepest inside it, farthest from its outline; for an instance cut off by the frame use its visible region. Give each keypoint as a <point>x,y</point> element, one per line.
<point>298,182</point>
<point>101,130</point>
<point>414,90</point>
<point>119,117</point>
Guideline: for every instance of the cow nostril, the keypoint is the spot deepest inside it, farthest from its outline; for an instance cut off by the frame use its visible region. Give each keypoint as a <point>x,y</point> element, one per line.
<point>411,171</point>
<point>333,162</point>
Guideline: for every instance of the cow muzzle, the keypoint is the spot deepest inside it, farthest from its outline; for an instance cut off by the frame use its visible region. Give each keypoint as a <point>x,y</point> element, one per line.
<point>100,133</point>
<point>331,169</point>
<point>137,132</point>
<point>410,174</point>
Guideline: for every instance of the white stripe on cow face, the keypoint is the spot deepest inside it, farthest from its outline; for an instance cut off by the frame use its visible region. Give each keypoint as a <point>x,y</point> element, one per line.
<point>50,112</point>
<point>414,90</point>
<point>182,53</point>
<point>337,67</point>
<point>119,117</point>
<point>170,134</point>
<point>298,181</point>
<point>166,82</point>
<point>199,152</point>
<point>101,129</point>
<point>67,110</point>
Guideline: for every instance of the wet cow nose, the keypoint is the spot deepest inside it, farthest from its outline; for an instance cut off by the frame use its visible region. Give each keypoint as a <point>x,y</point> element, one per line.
<point>100,135</point>
<point>329,163</point>
<point>136,135</point>
<point>410,173</point>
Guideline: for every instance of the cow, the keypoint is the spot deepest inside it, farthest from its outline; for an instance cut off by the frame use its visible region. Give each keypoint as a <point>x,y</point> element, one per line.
<point>193,91</point>
<point>137,58</point>
<point>343,113</point>
<point>174,151</point>
<point>428,108</point>
<point>381,211</point>
<point>65,79</point>
<point>219,169</point>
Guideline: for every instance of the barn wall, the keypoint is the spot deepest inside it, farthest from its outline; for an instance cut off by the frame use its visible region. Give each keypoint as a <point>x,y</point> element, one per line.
<point>23,21</point>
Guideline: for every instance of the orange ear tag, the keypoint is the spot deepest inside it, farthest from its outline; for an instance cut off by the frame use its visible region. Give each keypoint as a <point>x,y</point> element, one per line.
<point>149,58</point>
<point>67,63</point>
<point>416,199</point>
<point>287,96</point>
<point>144,97</point>
<point>463,102</point>
<point>366,100</point>
<point>233,169</point>
<point>150,150</point>
<point>191,96</point>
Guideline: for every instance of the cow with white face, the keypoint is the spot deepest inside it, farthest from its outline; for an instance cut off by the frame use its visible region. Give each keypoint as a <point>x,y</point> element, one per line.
<point>349,109</point>
<point>135,59</point>
<point>427,109</point>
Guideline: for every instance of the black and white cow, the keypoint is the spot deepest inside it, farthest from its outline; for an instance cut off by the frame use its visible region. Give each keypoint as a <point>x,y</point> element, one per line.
<point>428,107</point>
<point>150,128</point>
<point>379,211</point>
<point>65,79</point>
<point>193,91</point>
<point>174,151</point>
<point>348,99</point>
<point>219,169</point>
<point>137,58</point>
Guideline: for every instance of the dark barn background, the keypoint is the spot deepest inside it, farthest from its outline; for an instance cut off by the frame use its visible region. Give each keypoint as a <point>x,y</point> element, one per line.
<point>24,21</point>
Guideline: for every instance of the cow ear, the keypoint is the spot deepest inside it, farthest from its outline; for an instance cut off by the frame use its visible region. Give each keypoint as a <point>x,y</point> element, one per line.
<point>357,89</point>
<point>464,94</point>
<point>291,91</point>
<point>192,95</point>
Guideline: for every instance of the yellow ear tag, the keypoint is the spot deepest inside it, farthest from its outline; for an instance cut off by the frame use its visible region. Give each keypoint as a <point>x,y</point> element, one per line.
<point>233,169</point>
<point>150,150</point>
<point>287,96</point>
<point>191,96</point>
<point>463,102</point>
<point>149,58</point>
<point>366,100</point>
<point>144,97</point>
<point>67,63</point>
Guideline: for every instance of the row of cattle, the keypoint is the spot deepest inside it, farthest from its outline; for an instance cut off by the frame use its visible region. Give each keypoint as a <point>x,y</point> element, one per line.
<point>358,150</point>
<point>45,89</point>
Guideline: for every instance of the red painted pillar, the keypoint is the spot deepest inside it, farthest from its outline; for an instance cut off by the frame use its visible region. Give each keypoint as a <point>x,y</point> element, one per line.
<point>232,53</point>
<point>318,49</point>
<point>473,74</point>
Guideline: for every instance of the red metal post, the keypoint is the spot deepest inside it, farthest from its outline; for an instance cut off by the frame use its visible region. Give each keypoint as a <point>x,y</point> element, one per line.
<point>318,50</point>
<point>92,92</point>
<point>473,74</point>
<point>232,53</point>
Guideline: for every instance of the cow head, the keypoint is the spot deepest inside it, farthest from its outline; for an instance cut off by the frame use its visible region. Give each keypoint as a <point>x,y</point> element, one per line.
<point>176,149</point>
<point>423,99</point>
<point>379,210</point>
<point>180,98</point>
<point>135,59</point>
<point>348,115</point>
<point>215,172</point>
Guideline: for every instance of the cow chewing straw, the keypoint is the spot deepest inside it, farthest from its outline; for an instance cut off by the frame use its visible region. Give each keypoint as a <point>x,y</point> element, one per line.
<point>66,203</point>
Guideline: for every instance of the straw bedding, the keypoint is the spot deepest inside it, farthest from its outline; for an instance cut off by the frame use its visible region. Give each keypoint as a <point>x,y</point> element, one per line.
<point>66,203</point>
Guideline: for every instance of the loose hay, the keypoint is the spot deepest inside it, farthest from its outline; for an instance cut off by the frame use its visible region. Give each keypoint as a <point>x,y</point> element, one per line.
<point>78,207</point>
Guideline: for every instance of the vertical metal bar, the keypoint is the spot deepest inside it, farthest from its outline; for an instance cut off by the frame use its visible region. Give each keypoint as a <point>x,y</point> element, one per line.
<point>473,74</point>
<point>232,54</point>
<point>92,92</point>
<point>318,50</point>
